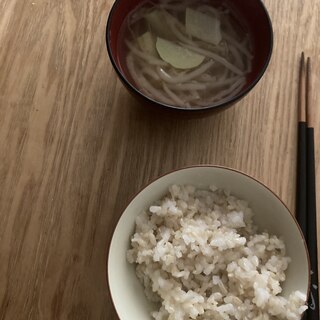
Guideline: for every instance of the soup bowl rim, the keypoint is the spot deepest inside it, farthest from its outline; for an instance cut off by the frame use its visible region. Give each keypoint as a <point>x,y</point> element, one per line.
<point>216,106</point>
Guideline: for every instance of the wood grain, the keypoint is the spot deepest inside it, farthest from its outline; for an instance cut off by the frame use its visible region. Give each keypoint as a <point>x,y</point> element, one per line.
<point>74,147</point>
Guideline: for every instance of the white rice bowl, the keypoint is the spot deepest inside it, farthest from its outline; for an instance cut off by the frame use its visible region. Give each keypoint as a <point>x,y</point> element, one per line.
<point>256,284</point>
<point>199,256</point>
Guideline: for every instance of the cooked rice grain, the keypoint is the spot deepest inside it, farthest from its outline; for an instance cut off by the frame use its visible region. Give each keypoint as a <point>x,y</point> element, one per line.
<point>199,255</point>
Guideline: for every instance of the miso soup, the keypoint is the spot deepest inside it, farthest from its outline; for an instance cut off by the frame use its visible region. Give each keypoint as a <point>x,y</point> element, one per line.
<point>189,54</point>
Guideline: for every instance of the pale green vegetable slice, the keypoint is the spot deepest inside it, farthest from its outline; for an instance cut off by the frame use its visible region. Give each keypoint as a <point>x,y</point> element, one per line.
<point>203,27</point>
<point>179,57</point>
<point>147,43</point>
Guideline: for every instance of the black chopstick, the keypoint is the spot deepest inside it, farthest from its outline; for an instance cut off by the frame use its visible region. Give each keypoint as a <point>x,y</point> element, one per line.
<point>311,207</point>
<point>306,185</point>
<point>301,190</point>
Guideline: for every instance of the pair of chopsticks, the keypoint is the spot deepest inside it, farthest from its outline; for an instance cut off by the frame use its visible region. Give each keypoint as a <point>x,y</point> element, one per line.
<point>306,187</point>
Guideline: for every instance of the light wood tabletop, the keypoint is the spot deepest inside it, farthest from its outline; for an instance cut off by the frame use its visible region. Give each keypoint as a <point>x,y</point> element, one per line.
<point>75,147</point>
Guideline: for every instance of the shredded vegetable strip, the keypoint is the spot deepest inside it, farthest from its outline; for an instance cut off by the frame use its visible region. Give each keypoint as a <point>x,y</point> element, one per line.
<point>217,58</point>
<point>145,56</point>
<point>187,77</point>
<point>173,96</point>
<point>238,45</point>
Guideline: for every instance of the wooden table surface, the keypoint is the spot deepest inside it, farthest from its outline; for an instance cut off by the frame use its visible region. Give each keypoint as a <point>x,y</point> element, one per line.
<point>74,147</point>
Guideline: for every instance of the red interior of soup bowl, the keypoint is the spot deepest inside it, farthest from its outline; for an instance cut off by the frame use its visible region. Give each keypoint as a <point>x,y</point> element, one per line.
<point>252,12</point>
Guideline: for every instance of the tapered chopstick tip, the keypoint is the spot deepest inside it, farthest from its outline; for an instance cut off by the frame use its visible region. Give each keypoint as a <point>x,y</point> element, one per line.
<point>309,107</point>
<point>302,90</point>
